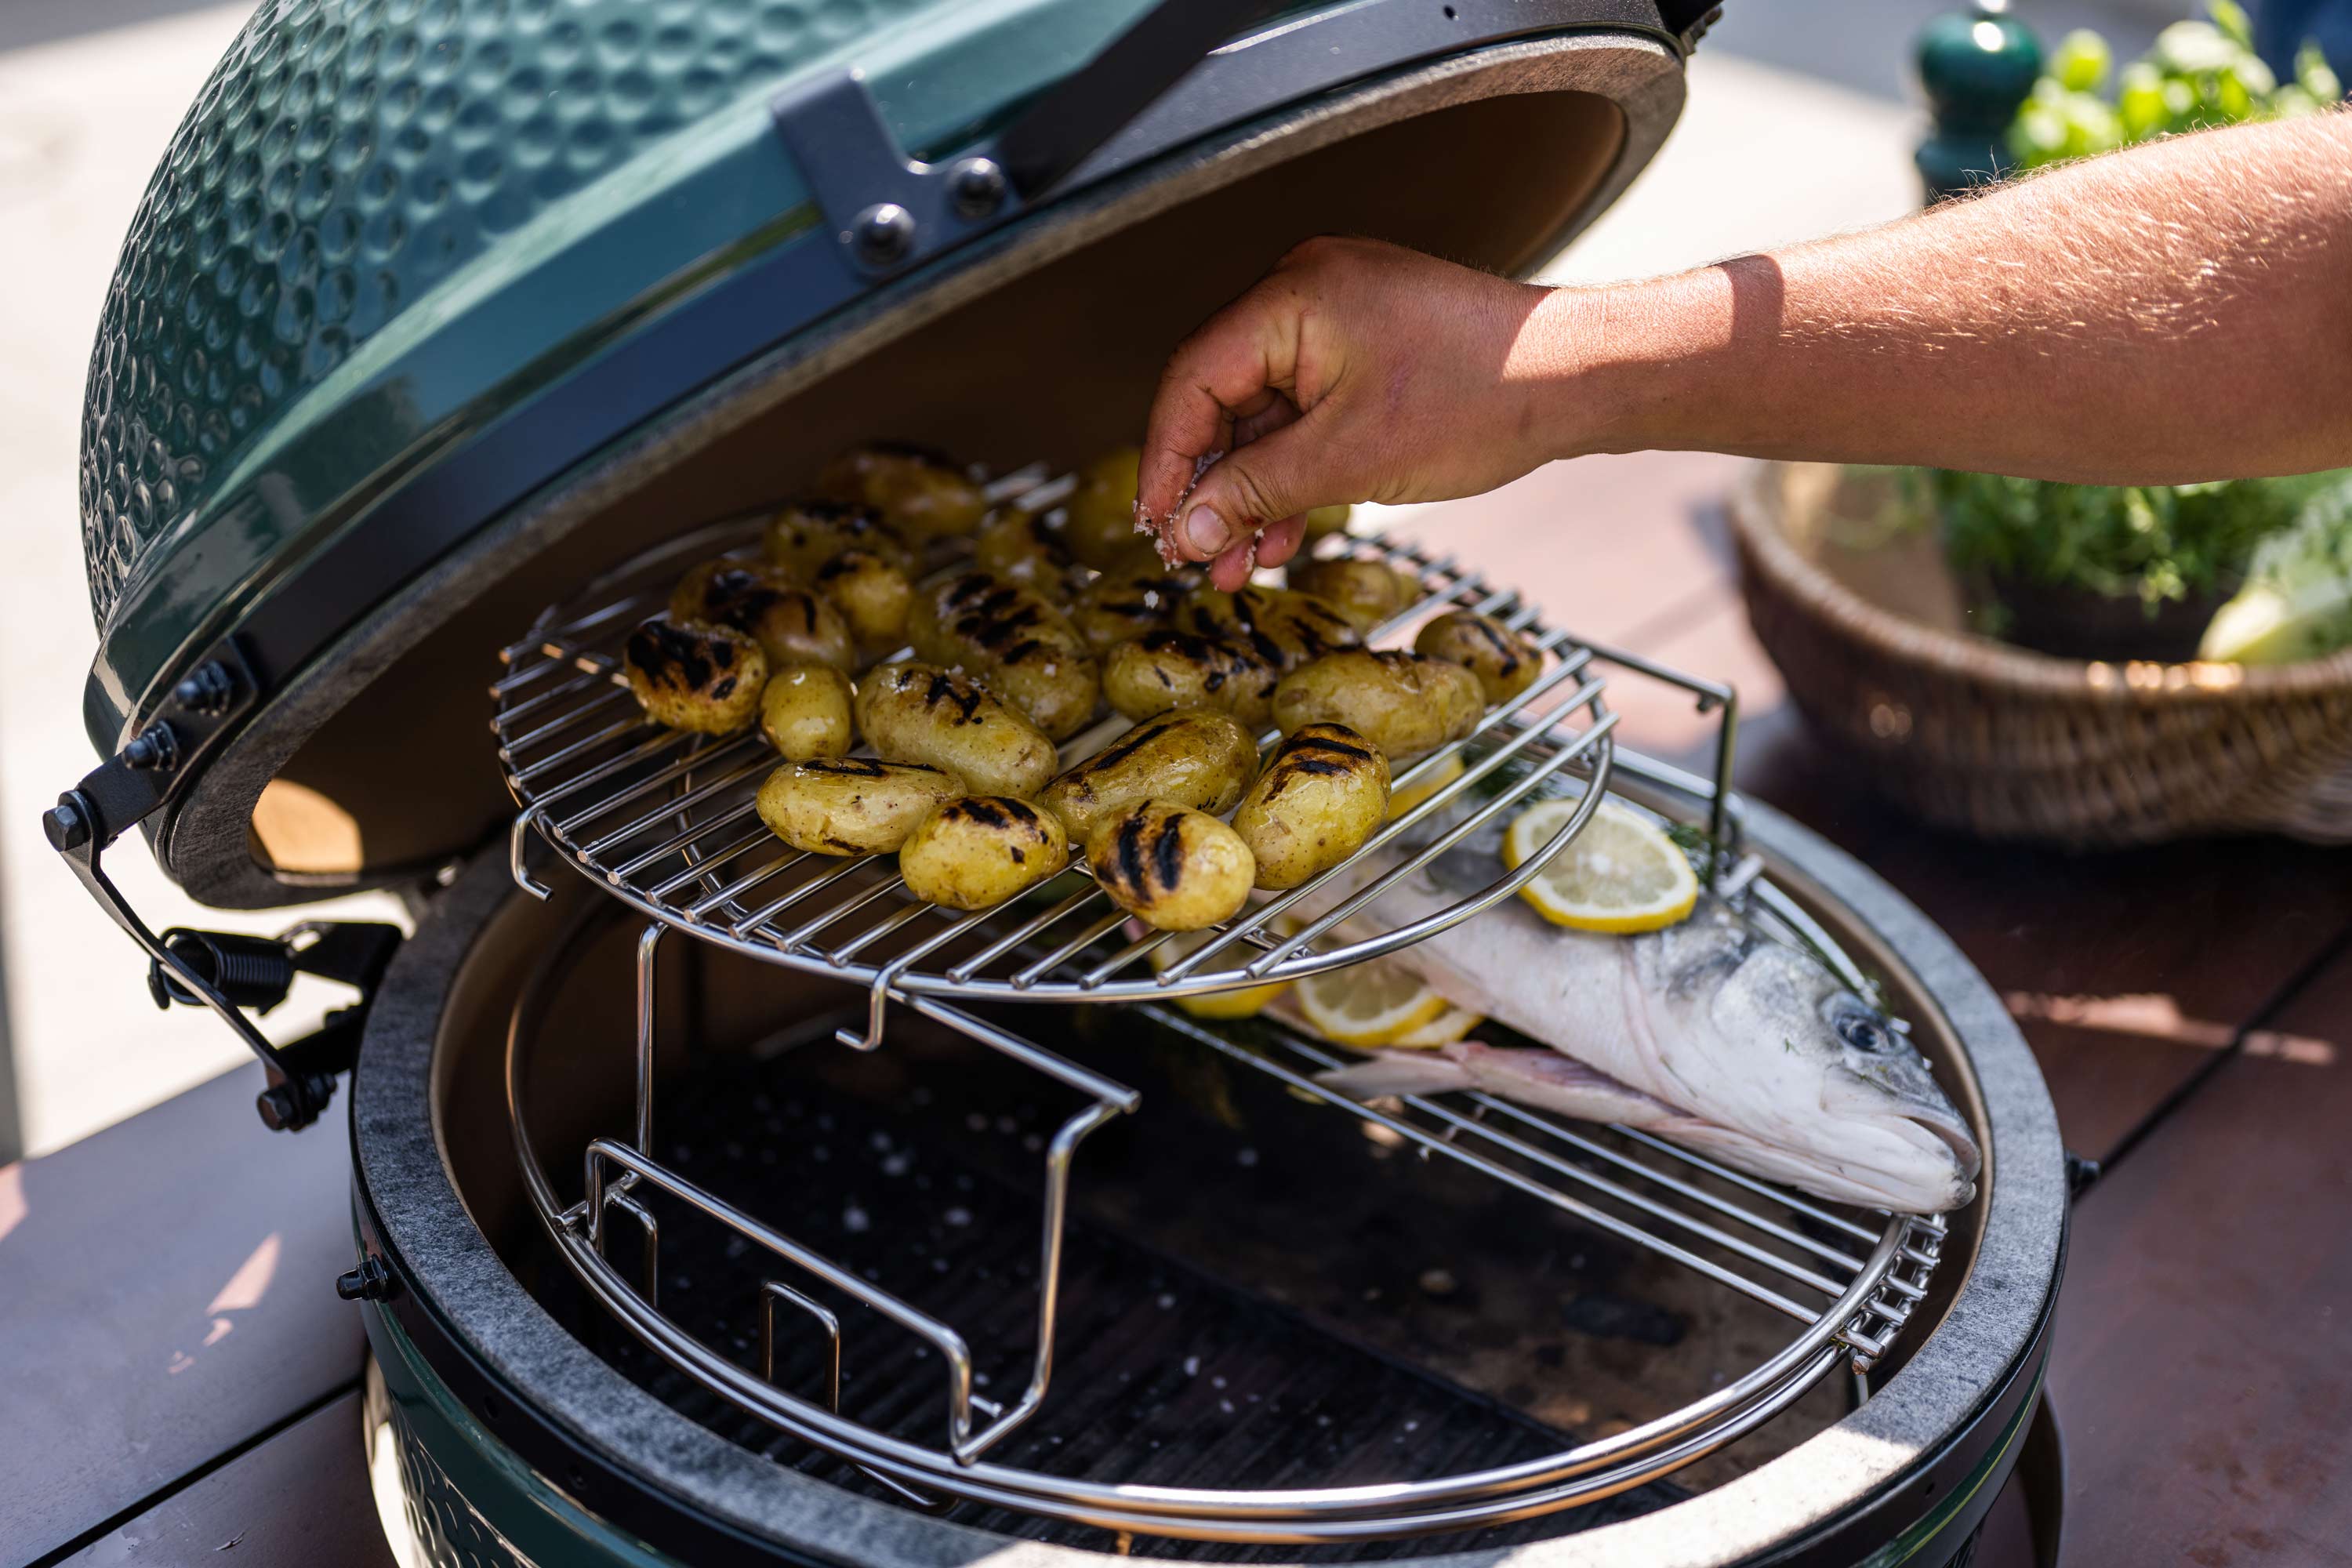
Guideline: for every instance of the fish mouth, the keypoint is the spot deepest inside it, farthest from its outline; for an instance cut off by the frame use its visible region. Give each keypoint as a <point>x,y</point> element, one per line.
<point>1955,1135</point>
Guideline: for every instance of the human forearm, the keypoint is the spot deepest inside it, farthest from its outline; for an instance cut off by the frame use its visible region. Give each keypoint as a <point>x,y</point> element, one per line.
<point>2181,312</point>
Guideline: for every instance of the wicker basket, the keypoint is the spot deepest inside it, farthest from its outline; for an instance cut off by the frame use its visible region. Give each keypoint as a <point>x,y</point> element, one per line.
<point>1977,735</point>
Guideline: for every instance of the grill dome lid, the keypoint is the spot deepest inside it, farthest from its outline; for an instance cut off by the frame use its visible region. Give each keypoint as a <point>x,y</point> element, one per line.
<point>424,290</point>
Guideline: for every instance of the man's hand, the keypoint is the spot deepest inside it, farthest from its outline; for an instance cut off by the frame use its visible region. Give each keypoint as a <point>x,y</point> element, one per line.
<point>1352,372</point>
<point>2170,312</point>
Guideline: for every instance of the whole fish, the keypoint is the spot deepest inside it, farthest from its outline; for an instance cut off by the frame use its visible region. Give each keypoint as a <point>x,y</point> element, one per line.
<point>1712,1033</point>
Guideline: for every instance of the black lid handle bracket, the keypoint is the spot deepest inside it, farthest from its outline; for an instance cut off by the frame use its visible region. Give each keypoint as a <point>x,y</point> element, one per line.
<point>888,211</point>
<point>227,972</point>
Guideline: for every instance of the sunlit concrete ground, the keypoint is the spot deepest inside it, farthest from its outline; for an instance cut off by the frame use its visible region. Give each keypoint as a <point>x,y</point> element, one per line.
<point>92,89</point>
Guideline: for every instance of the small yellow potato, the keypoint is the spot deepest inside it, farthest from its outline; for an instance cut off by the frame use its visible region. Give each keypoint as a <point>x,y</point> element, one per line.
<point>1015,643</point>
<point>804,536</point>
<point>692,675</point>
<point>1171,867</point>
<point>1287,628</point>
<point>1325,790</point>
<point>1123,605</point>
<point>1407,704</point>
<point>1165,670</point>
<point>788,623</point>
<point>921,713</point>
<point>1323,519</point>
<point>919,493</point>
<point>1200,760</point>
<point>872,594</point>
<point>847,805</point>
<point>1100,529</point>
<point>1018,547</point>
<point>1366,592</point>
<point>978,850</point>
<point>1504,662</point>
<point>804,712</point>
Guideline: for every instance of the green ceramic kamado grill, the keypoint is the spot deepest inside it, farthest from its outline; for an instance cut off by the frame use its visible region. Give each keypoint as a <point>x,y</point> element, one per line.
<point>449,332</point>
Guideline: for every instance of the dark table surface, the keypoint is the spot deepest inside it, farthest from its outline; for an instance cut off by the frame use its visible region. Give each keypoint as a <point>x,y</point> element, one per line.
<point>179,1374</point>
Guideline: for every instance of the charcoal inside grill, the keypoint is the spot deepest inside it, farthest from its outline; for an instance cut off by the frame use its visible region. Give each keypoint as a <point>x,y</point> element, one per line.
<point>1256,1294</point>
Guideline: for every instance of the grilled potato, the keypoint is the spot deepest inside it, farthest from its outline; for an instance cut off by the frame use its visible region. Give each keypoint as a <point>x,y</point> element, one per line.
<point>920,714</point>
<point>788,623</point>
<point>805,535</point>
<point>692,675</point>
<point>1366,592</point>
<point>1101,530</point>
<point>1504,662</point>
<point>805,710</point>
<point>1287,628</point>
<point>1121,604</point>
<point>1324,792</point>
<point>1407,704</point>
<point>847,805</point>
<point>1169,866</point>
<point>978,850</point>
<point>1169,670</point>
<point>1199,760</point>
<point>1018,547</point>
<point>1323,519</point>
<point>1019,647</point>
<point>872,594</point>
<point>920,493</point>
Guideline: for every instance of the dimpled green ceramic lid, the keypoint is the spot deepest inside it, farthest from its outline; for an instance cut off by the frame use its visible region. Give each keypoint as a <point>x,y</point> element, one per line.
<point>408,262</point>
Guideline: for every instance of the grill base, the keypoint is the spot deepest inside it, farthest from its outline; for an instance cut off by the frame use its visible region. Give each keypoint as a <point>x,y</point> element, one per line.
<point>1419,1323</point>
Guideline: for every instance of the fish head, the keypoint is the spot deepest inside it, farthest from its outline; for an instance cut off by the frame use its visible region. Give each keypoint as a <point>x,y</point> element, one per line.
<point>1765,1038</point>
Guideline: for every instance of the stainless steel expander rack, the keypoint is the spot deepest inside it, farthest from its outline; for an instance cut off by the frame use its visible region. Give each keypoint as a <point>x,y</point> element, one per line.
<point>663,822</point>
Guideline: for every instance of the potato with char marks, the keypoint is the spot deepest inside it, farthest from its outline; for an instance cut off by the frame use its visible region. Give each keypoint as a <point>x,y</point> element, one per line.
<point>847,805</point>
<point>1200,760</point>
<point>1165,670</point>
<point>1287,628</point>
<point>1122,604</point>
<point>1407,704</point>
<point>1504,662</point>
<point>789,623</point>
<point>919,493</point>
<point>1171,867</point>
<point>1019,646</point>
<point>976,851</point>
<point>1016,545</point>
<point>804,712</point>
<point>802,536</point>
<point>691,675</point>
<point>1323,793</point>
<point>1366,592</point>
<point>921,713</point>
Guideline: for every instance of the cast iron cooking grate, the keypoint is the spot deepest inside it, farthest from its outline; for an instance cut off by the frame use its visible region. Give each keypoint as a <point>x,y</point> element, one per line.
<point>665,823</point>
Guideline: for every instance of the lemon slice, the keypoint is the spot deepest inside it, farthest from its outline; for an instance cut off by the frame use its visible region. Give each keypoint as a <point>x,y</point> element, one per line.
<point>1246,1003</point>
<point>1443,1030</point>
<point>1621,873</point>
<point>1369,1004</point>
<point>1412,795</point>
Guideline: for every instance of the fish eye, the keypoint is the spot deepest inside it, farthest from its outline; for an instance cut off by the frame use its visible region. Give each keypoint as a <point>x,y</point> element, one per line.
<point>1864,1033</point>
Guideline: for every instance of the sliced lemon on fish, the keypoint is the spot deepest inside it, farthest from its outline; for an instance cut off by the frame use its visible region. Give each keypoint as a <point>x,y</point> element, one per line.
<point>1443,1030</point>
<point>1412,795</point>
<point>1620,874</point>
<point>1369,1004</point>
<point>1246,1002</point>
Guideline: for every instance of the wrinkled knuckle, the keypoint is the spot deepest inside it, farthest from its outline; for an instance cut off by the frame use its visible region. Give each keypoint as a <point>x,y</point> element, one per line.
<point>1260,501</point>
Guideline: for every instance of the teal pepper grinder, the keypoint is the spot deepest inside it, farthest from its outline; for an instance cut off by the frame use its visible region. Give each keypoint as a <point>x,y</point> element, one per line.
<point>1978,67</point>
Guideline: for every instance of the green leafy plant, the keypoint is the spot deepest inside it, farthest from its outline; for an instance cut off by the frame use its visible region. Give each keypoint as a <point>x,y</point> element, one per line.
<point>2199,73</point>
<point>2155,543</point>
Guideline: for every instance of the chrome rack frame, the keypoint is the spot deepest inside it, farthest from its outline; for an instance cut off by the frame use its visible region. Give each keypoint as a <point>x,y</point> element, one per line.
<point>665,823</point>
